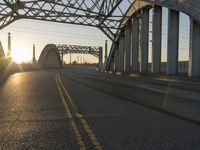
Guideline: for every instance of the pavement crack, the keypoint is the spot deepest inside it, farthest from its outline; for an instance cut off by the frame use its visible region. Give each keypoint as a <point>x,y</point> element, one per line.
<point>15,120</point>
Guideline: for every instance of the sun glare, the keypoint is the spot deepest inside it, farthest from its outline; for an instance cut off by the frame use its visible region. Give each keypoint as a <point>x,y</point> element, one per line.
<point>20,54</point>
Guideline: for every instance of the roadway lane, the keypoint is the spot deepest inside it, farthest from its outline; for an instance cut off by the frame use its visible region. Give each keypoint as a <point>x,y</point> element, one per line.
<point>77,108</point>
<point>178,98</point>
<point>126,116</point>
<point>32,114</point>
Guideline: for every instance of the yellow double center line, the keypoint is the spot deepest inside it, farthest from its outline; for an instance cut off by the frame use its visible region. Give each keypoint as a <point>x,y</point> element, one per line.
<point>68,101</point>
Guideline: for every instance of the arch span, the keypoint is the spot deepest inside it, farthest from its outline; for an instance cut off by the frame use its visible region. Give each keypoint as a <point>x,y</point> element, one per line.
<point>104,15</point>
<point>129,52</point>
<point>108,16</point>
<point>52,55</point>
<point>50,58</point>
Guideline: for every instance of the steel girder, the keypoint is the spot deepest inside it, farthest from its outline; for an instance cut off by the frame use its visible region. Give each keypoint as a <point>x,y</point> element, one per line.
<point>103,14</point>
<point>77,49</point>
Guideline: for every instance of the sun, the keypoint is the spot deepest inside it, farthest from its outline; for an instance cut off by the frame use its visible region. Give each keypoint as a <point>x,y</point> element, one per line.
<point>20,54</point>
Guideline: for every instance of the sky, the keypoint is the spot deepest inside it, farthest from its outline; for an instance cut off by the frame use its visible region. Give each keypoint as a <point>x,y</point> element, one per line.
<point>25,33</point>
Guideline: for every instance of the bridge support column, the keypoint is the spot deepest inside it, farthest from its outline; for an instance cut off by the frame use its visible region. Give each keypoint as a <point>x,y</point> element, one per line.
<point>127,47</point>
<point>194,53</point>
<point>135,44</point>
<point>173,42</point>
<point>144,40</point>
<point>156,39</point>
<point>121,53</point>
<point>116,59</point>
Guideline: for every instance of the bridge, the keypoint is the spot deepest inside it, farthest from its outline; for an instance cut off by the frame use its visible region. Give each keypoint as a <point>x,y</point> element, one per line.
<point>52,55</point>
<point>127,27</point>
<point>132,106</point>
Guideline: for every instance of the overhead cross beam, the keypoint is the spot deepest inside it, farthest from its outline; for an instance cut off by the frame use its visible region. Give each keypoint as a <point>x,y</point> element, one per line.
<point>77,49</point>
<point>103,14</point>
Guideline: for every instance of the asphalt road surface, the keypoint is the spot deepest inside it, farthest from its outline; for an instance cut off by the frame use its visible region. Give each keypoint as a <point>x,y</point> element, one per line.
<point>81,108</point>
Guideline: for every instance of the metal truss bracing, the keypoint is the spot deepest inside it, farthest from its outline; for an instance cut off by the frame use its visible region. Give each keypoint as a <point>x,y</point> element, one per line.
<point>77,49</point>
<point>107,15</point>
<point>103,14</point>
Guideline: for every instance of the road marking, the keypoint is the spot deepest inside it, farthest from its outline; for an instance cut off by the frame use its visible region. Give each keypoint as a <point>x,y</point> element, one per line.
<point>84,123</point>
<point>118,73</point>
<point>71,120</point>
<point>151,89</point>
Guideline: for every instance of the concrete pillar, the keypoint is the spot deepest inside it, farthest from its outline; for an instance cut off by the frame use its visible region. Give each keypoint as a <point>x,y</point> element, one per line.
<point>106,52</point>
<point>156,39</point>
<point>127,47</point>
<point>194,53</point>
<point>112,65</point>
<point>100,66</point>
<point>77,59</point>
<point>116,59</point>
<point>135,44</point>
<point>62,56</point>
<point>81,60</point>
<point>70,58</point>
<point>34,59</point>
<point>121,53</point>
<point>173,42</point>
<point>144,40</point>
<point>9,54</point>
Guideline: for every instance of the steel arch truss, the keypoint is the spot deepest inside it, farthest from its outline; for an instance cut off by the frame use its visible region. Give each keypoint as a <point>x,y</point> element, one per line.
<point>77,49</point>
<point>104,14</point>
